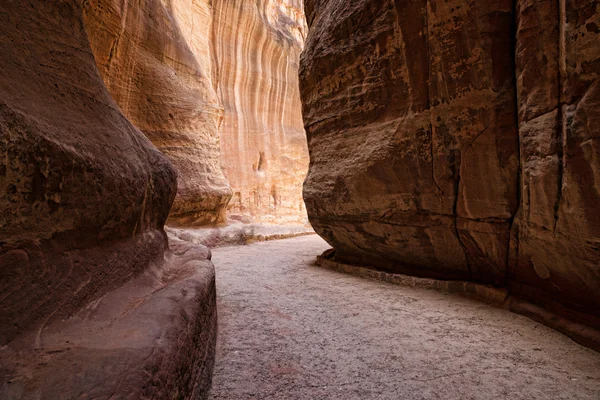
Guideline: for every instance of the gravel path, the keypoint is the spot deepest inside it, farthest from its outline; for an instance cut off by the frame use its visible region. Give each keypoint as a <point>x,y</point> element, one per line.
<point>290,330</point>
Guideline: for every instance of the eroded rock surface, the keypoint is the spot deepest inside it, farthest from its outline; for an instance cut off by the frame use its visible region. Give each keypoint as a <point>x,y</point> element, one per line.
<point>84,196</point>
<point>153,338</point>
<point>456,139</point>
<point>155,58</point>
<point>558,76</point>
<point>212,84</point>
<point>257,46</point>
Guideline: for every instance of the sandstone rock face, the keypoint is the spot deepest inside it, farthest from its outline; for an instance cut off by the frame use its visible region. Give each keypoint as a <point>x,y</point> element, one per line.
<point>264,154</point>
<point>156,61</point>
<point>153,338</point>
<point>84,196</point>
<point>212,83</point>
<point>456,139</point>
<point>558,76</point>
<point>411,122</point>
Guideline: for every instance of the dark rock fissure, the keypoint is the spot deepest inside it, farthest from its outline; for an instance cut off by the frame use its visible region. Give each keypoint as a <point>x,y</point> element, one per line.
<point>560,115</point>
<point>511,226</point>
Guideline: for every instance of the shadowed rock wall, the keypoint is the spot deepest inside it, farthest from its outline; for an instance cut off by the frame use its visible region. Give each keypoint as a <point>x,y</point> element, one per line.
<point>558,78</point>
<point>84,194</point>
<point>456,139</point>
<point>93,303</point>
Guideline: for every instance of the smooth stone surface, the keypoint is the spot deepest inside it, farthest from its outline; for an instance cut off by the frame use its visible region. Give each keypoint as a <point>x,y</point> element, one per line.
<point>153,338</point>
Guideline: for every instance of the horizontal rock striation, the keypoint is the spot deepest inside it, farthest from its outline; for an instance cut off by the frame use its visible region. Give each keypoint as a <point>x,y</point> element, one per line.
<point>456,140</point>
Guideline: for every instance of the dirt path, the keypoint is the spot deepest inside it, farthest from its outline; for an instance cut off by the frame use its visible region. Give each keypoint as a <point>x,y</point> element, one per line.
<point>290,330</point>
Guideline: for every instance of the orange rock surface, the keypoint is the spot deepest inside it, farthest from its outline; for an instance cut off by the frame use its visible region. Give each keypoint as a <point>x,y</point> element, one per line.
<point>214,85</point>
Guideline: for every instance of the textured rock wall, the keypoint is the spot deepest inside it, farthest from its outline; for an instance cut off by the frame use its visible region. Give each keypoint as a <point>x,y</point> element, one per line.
<point>87,282</point>
<point>456,139</point>
<point>257,44</point>
<point>83,194</point>
<point>558,76</point>
<point>156,61</point>
<point>192,73</point>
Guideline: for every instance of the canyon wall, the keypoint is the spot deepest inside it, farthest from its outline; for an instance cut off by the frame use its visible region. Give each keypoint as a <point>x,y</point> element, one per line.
<point>84,193</point>
<point>458,140</point>
<point>213,84</point>
<point>156,61</point>
<point>87,280</point>
<point>257,45</point>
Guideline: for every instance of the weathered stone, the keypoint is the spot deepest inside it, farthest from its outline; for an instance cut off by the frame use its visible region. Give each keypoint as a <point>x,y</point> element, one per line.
<point>153,338</point>
<point>558,76</point>
<point>156,61</point>
<point>212,83</point>
<point>257,46</point>
<point>459,140</point>
<point>83,193</point>
<point>409,110</point>
<point>84,196</point>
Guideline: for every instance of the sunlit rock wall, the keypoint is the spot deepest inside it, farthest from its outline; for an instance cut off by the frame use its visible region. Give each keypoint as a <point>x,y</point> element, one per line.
<point>257,44</point>
<point>156,61</point>
<point>459,139</point>
<point>192,73</point>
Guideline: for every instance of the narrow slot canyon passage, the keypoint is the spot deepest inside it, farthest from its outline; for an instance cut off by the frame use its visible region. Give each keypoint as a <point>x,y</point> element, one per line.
<point>171,172</point>
<point>291,330</point>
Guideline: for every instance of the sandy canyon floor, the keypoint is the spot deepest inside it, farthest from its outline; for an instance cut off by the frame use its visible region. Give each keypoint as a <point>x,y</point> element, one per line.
<point>291,330</point>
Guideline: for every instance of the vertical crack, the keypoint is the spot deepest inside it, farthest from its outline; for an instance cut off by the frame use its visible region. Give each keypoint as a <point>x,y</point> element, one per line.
<point>561,123</point>
<point>429,83</point>
<point>457,160</point>
<point>513,234</point>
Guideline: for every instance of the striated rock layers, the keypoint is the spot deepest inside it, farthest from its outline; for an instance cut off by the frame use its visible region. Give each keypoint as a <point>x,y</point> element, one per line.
<point>212,83</point>
<point>83,199</point>
<point>257,44</point>
<point>156,61</point>
<point>460,140</point>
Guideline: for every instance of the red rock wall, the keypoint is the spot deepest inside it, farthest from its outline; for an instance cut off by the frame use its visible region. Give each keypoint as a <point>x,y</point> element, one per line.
<point>558,71</point>
<point>83,193</point>
<point>456,139</point>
